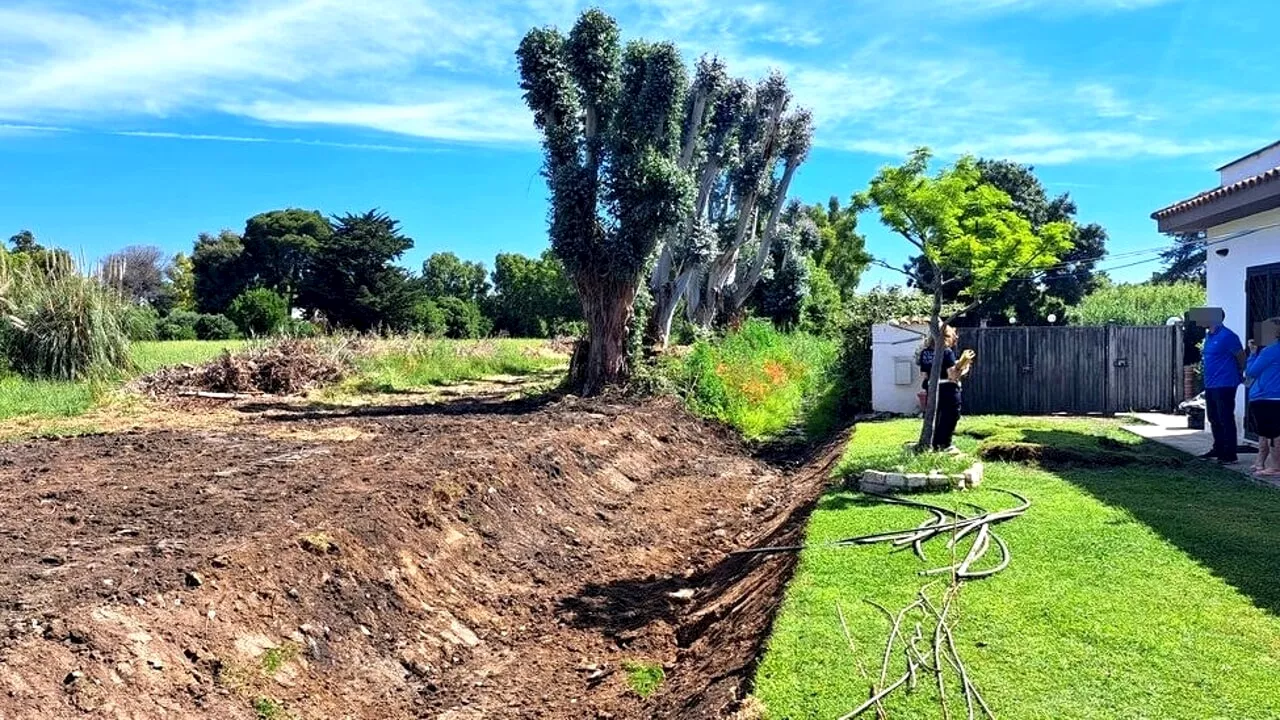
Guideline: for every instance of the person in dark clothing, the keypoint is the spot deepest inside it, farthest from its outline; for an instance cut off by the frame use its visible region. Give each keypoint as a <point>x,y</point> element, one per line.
<point>950,398</point>
<point>1223,373</point>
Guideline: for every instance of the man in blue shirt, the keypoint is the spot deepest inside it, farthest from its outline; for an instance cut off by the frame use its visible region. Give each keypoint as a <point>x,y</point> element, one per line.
<point>1223,372</point>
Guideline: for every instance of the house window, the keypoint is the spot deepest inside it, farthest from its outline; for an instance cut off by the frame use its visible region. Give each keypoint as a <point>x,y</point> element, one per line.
<point>1262,298</point>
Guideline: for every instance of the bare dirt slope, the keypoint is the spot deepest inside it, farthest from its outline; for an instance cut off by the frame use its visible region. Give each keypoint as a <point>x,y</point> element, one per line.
<point>468,560</point>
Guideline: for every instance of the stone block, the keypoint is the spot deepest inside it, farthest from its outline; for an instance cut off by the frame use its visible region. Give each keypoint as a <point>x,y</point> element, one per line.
<point>917,481</point>
<point>898,481</point>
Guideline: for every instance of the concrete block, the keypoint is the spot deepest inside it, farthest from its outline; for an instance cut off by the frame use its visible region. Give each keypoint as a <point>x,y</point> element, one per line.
<point>917,481</point>
<point>897,481</point>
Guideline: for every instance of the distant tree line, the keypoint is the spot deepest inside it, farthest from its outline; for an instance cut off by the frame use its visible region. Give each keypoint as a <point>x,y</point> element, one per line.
<point>298,272</point>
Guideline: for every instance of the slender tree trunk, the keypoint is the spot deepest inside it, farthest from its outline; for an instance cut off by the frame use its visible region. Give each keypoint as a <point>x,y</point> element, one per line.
<point>742,289</point>
<point>607,306</point>
<point>935,372</point>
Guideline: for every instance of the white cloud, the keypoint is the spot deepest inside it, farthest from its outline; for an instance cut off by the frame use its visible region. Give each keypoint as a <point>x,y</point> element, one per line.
<point>444,70</point>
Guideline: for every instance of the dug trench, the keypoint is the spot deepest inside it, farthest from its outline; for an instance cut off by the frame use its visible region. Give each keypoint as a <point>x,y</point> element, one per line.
<point>450,561</point>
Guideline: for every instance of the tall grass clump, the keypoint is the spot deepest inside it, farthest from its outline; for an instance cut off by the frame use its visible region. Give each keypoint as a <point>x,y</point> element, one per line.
<point>418,362</point>
<point>60,324</point>
<point>760,380</point>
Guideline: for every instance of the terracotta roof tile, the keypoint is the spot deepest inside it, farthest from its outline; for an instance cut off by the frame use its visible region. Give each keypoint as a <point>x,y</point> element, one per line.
<point>1208,196</point>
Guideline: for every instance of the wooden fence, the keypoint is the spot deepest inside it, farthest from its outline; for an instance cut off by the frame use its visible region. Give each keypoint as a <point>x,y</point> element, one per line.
<point>1076,370</point>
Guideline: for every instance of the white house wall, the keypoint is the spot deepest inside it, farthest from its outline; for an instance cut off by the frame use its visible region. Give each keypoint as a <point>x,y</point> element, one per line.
<point>895,380</point>
<point>1227,276</point>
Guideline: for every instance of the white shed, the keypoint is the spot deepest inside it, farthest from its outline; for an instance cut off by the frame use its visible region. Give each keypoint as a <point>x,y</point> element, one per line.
<point>895,380</point>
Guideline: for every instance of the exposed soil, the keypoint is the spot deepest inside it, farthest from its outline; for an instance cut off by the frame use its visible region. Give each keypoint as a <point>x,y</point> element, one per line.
<point>451,561</point>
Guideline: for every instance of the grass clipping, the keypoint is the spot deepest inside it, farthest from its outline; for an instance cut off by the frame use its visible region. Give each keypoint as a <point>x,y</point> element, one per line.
<point>284,367</point>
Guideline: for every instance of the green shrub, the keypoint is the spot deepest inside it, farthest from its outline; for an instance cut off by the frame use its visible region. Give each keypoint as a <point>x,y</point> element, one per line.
<point>429,319</point>
<point>463,319</point>
<point>178,325</point>
<point>59,324</point>
<point>296,328</point>
<point>822,310</point>
<point>259,312</point>
<point>760,380</point>
<point>1145,304</point>
<point>141,323</point>
<point>215,327</point>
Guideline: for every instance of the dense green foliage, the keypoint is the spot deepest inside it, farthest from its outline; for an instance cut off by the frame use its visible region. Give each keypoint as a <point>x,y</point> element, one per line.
<point>258,312</point>
<point>1133,591</point>
<point>178,325</point>
<point>446,275</point>
<point>354,282</point>
<point>217,271</point>
<point>215,327</point>
<point>532,297</point>
<point>760,380</point>
<point>1145,304</point>
<point>842,251</point>
<point>279,248</point>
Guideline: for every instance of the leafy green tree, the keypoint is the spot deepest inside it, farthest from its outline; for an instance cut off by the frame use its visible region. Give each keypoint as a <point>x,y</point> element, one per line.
<point>24,242</point>
<point>967,231</point>
<point>178,292</point>
<point>532,297</point>
<point>610,119</point>
<point>429,319</point>
<point>463,319</point>
<point>1033,299</point>
<point>446,275</point>
<point>1184,260</point>
<point>279,247</point>
<point>217,271</point>
<point>354,282</point>
<point>27,253</point>
<point>258,312</point>
<point>842,250</point>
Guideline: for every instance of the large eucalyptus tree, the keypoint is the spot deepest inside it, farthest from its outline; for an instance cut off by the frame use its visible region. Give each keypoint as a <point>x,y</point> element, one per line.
<point>611,122</point>
<point>743,149</point>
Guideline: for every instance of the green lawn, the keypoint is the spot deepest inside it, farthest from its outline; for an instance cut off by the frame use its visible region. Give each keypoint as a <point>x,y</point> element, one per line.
<point>1145,590</point>
<point>20,397</point>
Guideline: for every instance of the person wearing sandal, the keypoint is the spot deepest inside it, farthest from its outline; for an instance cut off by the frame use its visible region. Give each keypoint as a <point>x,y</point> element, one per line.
<point>1262,375</point>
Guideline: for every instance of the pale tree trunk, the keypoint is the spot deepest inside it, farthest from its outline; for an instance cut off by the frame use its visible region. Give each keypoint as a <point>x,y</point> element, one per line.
<point>607,306</point>
<point>935,372</point>
<point>742,289</point>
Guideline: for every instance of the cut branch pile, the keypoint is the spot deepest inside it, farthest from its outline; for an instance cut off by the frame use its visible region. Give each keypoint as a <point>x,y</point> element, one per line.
<point>922,634</point>
<point>286,367</point>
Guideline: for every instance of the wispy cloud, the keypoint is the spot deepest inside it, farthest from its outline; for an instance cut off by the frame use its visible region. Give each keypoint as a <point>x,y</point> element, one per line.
<point>380,147</point>
<point>443,70</point>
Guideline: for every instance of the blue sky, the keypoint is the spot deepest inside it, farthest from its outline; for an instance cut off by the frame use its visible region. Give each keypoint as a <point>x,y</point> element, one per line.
<point>143,121</point>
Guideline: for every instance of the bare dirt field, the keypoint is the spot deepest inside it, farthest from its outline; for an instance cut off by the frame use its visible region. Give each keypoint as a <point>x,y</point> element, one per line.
<point>470,559</point>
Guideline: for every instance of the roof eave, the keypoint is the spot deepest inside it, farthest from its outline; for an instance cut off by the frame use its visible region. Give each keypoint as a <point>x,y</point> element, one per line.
<point>1219,211</point>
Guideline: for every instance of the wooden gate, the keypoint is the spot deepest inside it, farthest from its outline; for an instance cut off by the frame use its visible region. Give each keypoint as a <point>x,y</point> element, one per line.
<point>1075,370</point>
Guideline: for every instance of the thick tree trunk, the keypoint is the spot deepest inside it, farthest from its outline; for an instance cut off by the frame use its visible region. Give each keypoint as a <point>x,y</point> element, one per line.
<point>935,374</point>
<point>607,307</point>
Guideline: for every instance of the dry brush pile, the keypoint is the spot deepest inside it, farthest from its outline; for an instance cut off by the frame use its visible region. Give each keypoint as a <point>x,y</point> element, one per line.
<point>284,367</point>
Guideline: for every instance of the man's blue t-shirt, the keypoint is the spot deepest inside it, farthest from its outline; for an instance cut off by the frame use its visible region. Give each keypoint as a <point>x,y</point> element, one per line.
<point>1264,368</point>
<point>1221,366</point>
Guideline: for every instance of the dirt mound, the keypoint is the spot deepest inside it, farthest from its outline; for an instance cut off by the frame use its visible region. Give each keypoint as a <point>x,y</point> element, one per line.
<point>284,367</point>
<point>450,561</point>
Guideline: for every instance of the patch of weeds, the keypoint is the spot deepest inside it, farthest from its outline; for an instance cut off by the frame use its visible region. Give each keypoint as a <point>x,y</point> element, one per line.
<point>275,658</point>
<point>269,709</point>
<point>644,678</point>
<point>318,543</point>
